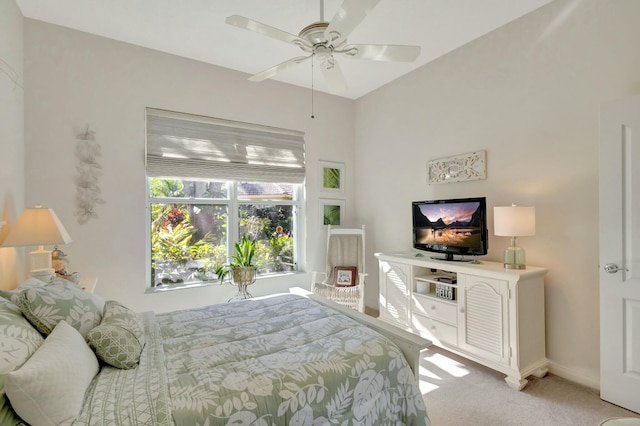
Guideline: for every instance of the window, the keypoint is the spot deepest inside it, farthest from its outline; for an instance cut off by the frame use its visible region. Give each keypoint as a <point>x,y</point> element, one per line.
<point>191,227</point>
<point>206,189</point>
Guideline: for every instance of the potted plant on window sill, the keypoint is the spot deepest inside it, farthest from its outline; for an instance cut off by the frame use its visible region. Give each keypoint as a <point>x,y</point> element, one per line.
<point>241,271</point>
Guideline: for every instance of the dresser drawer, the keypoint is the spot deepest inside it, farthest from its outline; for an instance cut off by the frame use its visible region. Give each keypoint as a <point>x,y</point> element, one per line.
<point>435,330</point>
<point>436,309</point>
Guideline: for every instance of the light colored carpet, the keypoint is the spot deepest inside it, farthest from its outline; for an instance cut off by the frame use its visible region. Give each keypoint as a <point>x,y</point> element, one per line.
<point>460,392</point>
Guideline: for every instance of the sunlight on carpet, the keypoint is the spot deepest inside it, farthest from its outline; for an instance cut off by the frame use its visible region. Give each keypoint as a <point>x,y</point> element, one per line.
<point>460,392</point>
<point>433,362</point>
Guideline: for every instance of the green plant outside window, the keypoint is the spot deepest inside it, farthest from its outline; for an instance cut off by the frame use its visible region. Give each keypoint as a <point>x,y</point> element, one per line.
<point>190,223</point>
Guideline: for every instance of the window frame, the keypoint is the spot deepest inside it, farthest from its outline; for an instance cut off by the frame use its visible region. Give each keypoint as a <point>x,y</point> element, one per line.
<point>233,222</point>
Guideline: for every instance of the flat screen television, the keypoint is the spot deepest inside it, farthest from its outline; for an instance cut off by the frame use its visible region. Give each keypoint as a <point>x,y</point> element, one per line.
<point>451,227</point>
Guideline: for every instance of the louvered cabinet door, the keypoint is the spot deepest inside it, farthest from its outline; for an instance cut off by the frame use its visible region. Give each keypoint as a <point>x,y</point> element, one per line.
<point>394,293</point>
<point>483,317</point>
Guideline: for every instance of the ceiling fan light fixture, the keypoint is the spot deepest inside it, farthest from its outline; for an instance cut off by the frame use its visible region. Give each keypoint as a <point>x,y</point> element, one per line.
<point>321,39</point>
<point>330,62</point>
<point>332,36</point>
<point>314,33</point>
<point>352,52</point>
<point>301,45</point>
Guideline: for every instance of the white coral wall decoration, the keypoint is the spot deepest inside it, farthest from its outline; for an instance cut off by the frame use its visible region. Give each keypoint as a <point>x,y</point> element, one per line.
<point>86,179</point>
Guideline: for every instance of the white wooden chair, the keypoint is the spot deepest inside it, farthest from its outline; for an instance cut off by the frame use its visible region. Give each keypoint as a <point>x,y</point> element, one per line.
<point>345,248</point>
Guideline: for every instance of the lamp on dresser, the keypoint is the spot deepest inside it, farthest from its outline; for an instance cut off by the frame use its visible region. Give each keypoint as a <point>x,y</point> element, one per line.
<point>514,221</point>
<point>38,226</point>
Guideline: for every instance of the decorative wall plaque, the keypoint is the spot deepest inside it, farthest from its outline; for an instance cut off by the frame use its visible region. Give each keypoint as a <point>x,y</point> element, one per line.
<point>88,171</point>
<point>458,168</point>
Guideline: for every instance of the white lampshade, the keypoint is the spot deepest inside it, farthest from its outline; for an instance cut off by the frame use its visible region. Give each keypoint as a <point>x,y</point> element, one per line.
<point>514,221</point>
<point>38,226</point>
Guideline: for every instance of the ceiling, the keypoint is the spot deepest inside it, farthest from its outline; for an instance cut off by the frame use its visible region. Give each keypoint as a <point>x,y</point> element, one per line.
<point>196,29</point>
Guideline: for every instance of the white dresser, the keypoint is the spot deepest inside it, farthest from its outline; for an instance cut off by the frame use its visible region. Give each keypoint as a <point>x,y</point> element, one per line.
<point>481,311</point>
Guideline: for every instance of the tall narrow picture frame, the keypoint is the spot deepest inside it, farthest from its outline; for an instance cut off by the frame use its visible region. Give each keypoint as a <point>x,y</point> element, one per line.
<point>331,177</point>
<point>332,212</point>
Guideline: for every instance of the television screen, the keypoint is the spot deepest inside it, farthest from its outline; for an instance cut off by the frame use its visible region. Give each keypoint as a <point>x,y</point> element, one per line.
<point>452,227</point>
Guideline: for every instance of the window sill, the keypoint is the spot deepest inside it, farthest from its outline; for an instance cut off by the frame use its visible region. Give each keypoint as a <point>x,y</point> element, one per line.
<point>182,286</point>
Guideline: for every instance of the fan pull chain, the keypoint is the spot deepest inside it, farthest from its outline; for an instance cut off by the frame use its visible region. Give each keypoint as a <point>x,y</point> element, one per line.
<point>312,61</point>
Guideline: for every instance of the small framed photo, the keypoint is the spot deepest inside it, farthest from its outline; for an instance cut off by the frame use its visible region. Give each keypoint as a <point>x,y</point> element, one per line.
<point>331,212</point>
<point>331,177</point>
<point>344,276</point>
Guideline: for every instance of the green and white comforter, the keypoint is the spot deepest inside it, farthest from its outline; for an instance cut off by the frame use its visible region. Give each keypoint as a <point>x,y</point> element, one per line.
<point>139,396</point>
<point>281,360</point>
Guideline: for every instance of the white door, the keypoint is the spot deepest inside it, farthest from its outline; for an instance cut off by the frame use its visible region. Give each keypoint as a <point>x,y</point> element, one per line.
<point>620,253</point>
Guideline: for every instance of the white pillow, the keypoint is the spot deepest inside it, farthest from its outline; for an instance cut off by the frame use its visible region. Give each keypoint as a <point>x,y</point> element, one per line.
<point>49,388</point>
<point>18,342</point>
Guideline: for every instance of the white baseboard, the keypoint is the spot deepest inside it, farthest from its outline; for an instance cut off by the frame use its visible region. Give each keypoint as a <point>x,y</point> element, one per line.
<point>577,375</point>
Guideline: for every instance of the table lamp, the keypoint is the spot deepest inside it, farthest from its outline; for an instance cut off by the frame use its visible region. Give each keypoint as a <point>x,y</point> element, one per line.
<point>38,226</point>
<point>514,221</point>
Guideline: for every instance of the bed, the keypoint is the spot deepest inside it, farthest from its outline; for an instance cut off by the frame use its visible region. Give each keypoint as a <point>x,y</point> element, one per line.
<point>279,360</point>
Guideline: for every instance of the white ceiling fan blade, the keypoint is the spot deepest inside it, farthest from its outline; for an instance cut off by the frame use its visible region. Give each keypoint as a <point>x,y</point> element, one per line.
<point>347,18</point>
<point>260,28</point>
<point>278,68</point>
<point>333,76</point>
<point>381,52</point>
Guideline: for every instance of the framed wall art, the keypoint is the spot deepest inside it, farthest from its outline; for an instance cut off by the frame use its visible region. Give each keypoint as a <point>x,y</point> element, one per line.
<point>458,168</point>
<point>331,177</point>
<point>331,212</point>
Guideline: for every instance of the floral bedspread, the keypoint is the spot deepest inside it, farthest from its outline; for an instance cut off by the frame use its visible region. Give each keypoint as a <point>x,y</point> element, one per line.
<point>283,360</point>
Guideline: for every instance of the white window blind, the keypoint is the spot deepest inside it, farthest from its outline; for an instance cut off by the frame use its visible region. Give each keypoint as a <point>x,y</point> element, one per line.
<point>192,146</point>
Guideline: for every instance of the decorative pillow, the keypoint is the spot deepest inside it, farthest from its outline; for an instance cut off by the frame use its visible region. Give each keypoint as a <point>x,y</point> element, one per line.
<point>14,295</point>
<point>49,388</point>
<point>119,339</point>
<point>98,300</point>
<point>59,300</point>
<point>18,341</point>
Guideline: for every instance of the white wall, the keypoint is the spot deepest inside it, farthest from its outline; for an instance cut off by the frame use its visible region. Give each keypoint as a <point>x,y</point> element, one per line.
<point>11,137</point>
<point>529,94</point>
<point>75,79</point>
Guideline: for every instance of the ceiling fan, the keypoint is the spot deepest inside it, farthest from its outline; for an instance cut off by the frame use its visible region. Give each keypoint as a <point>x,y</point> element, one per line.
<point>324,41</point>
